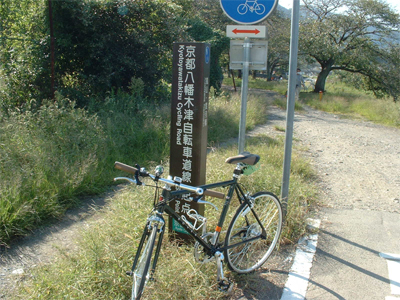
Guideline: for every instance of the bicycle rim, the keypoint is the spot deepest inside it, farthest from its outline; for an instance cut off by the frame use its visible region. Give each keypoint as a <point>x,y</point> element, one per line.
<point>260,9</point>
<point>242,9</point>
<point>247,257</point>
<point>140,274</point>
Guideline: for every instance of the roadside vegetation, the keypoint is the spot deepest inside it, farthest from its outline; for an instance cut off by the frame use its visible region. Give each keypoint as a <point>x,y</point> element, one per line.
<point>259,83</point>
<point>346,100</point>
<point>106,248</point>
<point>51,157</point>
<point>340,97</point>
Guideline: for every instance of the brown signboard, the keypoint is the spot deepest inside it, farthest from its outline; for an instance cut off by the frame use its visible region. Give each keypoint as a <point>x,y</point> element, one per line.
<point>189,112</point>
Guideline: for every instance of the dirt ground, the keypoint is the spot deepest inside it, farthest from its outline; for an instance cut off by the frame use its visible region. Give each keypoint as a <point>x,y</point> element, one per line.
<point>358,165</point>
<point>358,162</point>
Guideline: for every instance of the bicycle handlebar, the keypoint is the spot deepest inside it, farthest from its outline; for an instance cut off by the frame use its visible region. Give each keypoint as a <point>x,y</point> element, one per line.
<point>125,168</point>
<point>194,189</point>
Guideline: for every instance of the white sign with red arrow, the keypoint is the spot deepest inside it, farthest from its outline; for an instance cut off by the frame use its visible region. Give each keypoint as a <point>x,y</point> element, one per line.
<point>243,31</point>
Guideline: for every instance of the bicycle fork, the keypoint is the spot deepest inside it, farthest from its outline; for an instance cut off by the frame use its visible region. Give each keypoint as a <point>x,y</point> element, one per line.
<point>154,220</point>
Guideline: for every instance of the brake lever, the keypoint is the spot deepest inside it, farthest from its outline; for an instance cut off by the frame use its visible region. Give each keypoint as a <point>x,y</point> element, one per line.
<point>137,173</point>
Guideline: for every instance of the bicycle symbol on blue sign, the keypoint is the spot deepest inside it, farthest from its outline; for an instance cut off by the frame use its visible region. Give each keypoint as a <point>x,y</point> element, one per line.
<point>248,11</point>
<point>251,6</point>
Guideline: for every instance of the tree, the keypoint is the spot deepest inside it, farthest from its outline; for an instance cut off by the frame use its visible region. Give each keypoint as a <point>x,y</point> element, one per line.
<point>21,39</point>
<point>278,43</point>
<point>200,31</point>
<point>210,12</point>
<point>102,45</point>
<point>385,81</point>
<point>349,35</point>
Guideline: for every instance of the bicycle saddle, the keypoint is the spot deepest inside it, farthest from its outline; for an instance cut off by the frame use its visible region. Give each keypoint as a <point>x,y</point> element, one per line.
<point>244,157</point>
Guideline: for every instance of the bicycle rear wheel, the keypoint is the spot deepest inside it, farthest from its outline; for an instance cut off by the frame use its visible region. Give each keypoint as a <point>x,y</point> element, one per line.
<point>140,274</point>
<point>248,256</point>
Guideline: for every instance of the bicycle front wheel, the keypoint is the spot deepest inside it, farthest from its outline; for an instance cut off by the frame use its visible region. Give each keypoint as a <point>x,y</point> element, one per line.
<point>140,274</point>
<point>248,256</point>
<point>242,9</point>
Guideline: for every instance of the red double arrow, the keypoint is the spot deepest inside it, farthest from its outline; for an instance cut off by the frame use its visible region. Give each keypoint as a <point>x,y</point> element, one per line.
<point>236,31</point>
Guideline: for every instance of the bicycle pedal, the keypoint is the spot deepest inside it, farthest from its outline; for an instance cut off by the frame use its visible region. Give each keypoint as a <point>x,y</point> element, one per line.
<point>225,286</point>
<point>129,273</point>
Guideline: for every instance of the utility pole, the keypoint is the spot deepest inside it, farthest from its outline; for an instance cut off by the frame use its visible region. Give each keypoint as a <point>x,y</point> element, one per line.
<point>294,45</point>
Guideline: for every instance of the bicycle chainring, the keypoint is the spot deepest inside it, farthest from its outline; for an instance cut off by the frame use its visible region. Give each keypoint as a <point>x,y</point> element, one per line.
<point>199,254</point>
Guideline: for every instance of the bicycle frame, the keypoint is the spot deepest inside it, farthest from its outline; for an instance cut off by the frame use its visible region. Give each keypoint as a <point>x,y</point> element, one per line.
<point>209,248</point>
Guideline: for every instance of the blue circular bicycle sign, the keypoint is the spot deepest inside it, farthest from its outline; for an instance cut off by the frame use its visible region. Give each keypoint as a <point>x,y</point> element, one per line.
<point>248,11</point>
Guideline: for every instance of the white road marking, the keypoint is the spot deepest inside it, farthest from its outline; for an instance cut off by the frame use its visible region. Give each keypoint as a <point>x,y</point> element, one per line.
<point>393,262</point>
<point>297,283</point>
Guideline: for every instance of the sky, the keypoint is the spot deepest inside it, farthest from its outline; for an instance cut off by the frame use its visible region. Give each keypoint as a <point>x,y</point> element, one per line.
<point>393,3</point>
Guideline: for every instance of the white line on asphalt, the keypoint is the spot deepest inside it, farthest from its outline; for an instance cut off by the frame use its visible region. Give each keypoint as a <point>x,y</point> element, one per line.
<point>296,285</point>
<point>393,262</point>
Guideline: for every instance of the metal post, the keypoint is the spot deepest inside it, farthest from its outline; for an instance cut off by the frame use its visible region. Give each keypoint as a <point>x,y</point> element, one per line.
<point>245,87</point>
<point>294,44</point>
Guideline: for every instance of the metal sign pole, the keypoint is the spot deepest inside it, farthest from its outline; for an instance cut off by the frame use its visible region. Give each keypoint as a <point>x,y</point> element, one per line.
<point>245,85</point>
<point>294,44</point>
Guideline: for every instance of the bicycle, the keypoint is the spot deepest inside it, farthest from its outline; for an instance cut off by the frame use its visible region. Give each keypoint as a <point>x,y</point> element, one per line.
<point>251,5</point>
<point>250,238</point>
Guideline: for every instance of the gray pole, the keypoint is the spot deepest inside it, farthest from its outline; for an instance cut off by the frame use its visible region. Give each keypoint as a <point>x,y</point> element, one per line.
<point>294,45</point>
<point>245,87</point>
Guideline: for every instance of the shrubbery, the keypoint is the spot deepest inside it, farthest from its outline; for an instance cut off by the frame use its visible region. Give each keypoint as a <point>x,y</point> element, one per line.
<point>46,159</point>
<point>53,155</point>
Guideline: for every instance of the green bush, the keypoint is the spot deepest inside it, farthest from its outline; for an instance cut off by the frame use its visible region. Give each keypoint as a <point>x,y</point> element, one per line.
<point>53,155</point>
<point>47,158</point>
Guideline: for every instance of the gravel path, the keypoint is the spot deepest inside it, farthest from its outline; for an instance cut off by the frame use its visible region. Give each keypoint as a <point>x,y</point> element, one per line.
<point>358,162</point>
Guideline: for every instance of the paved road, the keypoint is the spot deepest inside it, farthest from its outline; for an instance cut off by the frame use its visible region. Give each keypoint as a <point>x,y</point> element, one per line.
<point>347,262</point>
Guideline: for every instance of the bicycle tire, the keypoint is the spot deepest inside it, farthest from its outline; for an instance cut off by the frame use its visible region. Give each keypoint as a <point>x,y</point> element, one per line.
<point>247,257</point>
<point>242,9</point>
<point>141,271</point>
<point>260,9</point>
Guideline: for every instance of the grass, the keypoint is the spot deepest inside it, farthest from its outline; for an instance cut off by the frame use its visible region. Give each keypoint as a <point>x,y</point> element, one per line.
<point>46,160</point>
<point>280,128</point>
<point>340,98</point>
<point>259,83</point>
<point>106,250</point>
<point>51,157</point>
<point>345,100</point>
<point>282,103</point>
<point>224,116</point>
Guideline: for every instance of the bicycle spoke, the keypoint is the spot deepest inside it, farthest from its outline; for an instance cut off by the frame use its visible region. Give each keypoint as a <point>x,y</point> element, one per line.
<point>244,227</point>
<point>140,274</point>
